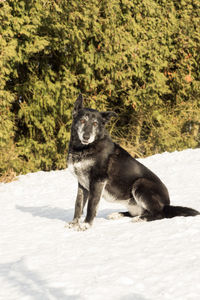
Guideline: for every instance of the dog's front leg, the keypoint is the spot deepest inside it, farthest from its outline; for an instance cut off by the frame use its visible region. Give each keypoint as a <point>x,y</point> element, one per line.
<point>81,199</point>
<point>96,189</point>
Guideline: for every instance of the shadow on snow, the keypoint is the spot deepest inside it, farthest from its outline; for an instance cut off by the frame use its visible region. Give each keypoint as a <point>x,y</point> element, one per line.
<point>24,281</point>
<point>61,214</point>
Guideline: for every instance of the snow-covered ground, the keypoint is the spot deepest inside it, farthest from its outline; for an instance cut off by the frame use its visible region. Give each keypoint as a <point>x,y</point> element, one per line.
<point>115,259</point>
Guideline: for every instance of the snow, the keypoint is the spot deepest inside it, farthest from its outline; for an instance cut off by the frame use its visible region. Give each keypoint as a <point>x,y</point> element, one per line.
<point>115,259</point>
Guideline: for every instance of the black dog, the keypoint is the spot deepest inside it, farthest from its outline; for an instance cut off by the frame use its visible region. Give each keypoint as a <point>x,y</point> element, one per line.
<point>103,168</point>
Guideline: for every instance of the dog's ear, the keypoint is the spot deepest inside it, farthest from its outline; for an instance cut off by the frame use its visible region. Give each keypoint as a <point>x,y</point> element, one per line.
<point>106,115</point>
<point>78,104</point>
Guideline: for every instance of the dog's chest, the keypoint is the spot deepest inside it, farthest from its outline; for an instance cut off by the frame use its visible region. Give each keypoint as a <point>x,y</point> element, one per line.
<point>81,169</point>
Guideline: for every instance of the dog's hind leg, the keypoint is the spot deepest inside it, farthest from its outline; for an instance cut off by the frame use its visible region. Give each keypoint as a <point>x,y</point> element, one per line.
<point>118,215</point>
<point>151,197</point>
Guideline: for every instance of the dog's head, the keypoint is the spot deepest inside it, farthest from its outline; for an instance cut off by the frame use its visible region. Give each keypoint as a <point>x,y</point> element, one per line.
<point>89,123</point>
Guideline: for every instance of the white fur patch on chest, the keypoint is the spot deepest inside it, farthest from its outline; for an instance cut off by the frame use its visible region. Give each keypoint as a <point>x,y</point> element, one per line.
<point>81,170</point>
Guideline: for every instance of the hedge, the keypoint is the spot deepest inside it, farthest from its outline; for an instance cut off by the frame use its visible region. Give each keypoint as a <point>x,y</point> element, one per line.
<point>138,58</point>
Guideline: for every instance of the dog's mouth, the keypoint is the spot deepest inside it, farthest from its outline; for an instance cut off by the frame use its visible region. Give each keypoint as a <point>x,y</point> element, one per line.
<point>85,142</point>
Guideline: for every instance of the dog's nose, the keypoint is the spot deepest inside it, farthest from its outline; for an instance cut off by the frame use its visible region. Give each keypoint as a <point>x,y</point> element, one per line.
<point>86,136</point>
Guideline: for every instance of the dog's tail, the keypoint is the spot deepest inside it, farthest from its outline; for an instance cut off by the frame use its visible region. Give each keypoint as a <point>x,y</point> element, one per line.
<point>175,211</point>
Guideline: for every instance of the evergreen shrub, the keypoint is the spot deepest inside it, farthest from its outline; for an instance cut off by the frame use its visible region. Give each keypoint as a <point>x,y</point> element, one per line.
<point>138,58</point>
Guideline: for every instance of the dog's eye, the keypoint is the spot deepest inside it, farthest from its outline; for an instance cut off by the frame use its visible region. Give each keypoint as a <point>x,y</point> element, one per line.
<point>83,121</point>
<point>95,124</point>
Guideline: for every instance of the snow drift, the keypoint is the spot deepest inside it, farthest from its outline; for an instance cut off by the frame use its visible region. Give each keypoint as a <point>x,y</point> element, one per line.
<point>115,259</point>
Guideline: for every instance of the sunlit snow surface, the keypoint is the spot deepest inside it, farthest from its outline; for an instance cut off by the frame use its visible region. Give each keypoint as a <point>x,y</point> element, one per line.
<point>115,259</point>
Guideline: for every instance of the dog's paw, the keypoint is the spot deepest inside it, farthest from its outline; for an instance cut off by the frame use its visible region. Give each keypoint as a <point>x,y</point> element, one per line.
<point>76,225</point>
<point>115,216</point>
<point>73,224</point>
<point>83,226</point>
<point>138,219</point>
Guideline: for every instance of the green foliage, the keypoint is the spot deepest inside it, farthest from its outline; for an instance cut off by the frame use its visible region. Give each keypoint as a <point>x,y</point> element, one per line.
<point>139,58</point>
<point>8,154</point>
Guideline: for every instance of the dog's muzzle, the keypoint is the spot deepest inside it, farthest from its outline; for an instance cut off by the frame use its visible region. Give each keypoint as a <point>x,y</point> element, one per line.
<point>86,137</point>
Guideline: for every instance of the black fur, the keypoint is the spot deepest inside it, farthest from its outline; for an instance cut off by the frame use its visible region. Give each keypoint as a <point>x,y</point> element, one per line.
<point>104,168</point>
